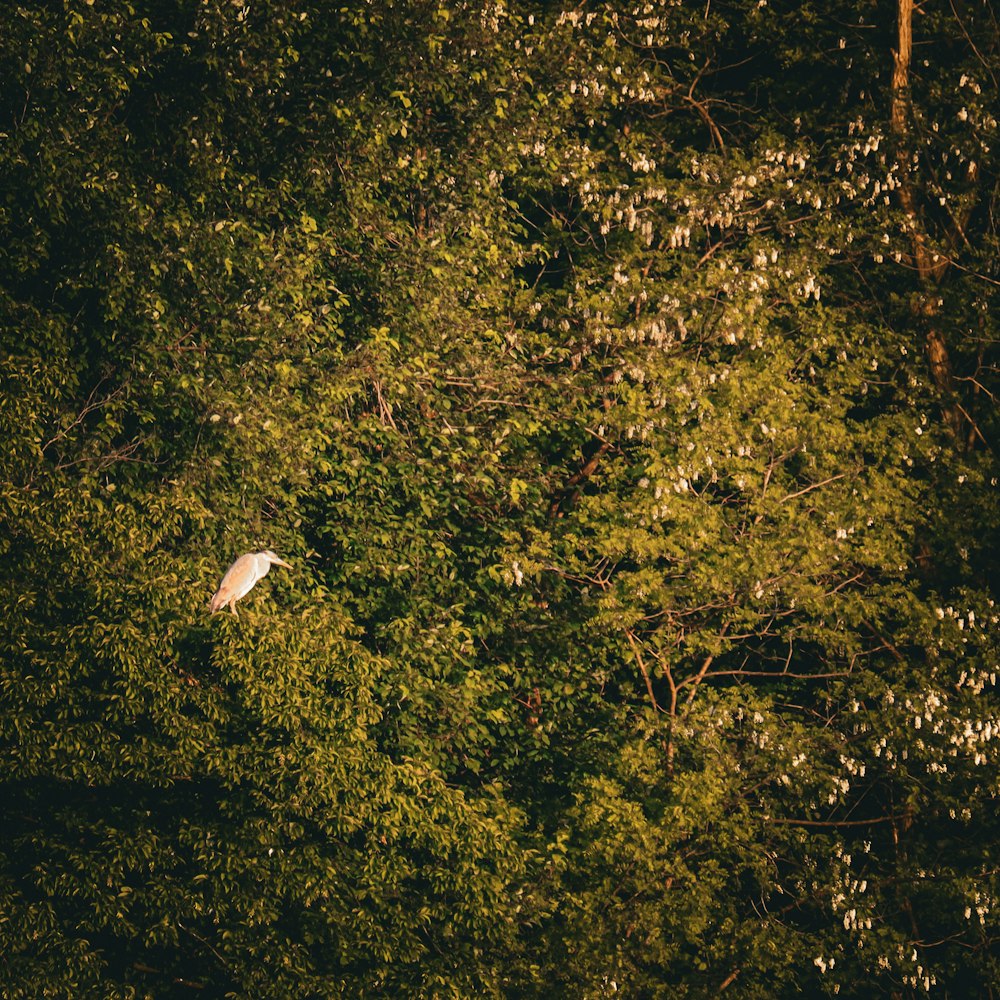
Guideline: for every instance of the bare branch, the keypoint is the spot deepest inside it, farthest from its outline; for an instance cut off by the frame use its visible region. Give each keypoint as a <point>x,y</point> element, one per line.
<point>814,486</point>
<point>642,666</point>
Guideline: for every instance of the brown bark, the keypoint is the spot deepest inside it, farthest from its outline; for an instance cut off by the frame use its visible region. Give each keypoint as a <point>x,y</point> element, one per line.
<point>930,264</point>
<point>571,491</point>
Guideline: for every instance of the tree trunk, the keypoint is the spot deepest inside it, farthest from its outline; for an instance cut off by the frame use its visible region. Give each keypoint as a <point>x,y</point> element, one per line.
<point>929,263</point>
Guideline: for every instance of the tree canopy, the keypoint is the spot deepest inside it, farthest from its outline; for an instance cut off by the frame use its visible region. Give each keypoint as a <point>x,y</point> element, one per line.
<point>620,382</point>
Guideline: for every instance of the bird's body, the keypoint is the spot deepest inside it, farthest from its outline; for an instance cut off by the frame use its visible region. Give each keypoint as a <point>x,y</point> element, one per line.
<point>241,577</point>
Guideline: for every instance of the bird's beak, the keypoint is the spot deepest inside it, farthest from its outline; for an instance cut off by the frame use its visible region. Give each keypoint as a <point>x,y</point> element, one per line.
<point>281,562</point>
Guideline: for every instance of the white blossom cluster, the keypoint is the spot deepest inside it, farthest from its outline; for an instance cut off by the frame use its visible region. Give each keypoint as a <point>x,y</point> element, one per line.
<point>982,903</point>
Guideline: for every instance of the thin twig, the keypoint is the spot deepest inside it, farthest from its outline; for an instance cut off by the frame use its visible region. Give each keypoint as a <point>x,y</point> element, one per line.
<point>385,410</point>
<point>88,407</point>
<point>814,486</point>
<point>833,822</point>
<point>642,667</point>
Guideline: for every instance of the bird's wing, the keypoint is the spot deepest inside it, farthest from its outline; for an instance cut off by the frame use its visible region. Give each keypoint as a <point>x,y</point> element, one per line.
<point>241,571</point>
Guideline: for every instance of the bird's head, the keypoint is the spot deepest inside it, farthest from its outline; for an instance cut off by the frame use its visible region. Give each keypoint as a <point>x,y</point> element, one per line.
<point>272,558</point>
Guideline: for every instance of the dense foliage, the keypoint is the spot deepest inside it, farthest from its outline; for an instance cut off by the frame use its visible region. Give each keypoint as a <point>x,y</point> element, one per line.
<point>620,382</point>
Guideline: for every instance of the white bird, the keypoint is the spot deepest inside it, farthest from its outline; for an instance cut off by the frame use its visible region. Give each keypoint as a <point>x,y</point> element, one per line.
<point>241,577</point>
